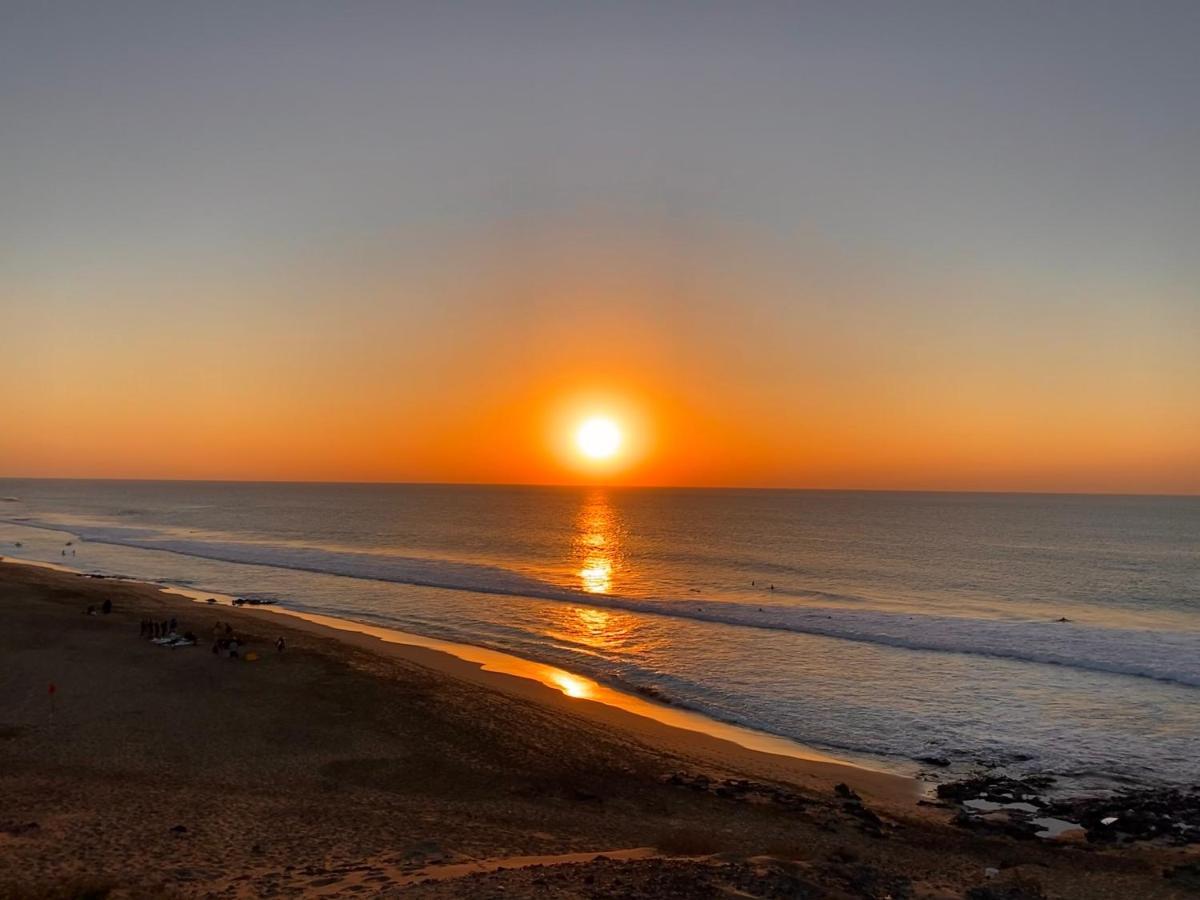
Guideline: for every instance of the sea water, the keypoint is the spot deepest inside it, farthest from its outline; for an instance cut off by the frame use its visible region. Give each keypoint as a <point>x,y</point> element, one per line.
<point>1047,633</point>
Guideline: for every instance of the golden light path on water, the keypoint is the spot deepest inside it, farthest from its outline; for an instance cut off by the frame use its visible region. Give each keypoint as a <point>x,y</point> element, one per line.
<point>597,543</point>
<point>597,549</point>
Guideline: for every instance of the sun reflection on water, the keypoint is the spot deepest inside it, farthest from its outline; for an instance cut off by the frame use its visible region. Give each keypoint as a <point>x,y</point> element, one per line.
<point>596,575</point>
<point>597,535</point>
<point>598,564</point>
<point>570,685</point>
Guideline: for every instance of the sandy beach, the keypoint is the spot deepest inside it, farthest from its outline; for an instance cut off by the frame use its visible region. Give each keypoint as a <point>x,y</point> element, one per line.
<point>350,766</point>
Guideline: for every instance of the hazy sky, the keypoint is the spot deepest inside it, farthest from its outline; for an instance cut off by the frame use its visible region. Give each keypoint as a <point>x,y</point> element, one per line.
<point>912,245</point>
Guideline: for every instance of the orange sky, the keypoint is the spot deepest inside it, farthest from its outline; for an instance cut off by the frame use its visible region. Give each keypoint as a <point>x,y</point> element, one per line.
<point>724,366</point>
<point>941,248</point>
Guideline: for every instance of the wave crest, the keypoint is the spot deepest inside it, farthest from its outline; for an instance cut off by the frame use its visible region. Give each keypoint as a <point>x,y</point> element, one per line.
<point>1172,656</point>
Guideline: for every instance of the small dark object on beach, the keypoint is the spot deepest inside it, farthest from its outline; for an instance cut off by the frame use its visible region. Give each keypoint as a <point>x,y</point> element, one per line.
<point>939,761</point>
<point>1063,619</point>
<point>179,829</point>
<point>844,790</point>
<point>106,608</point>
<point>865,815</point>
<point>211,600</point>
<point>252,601</point>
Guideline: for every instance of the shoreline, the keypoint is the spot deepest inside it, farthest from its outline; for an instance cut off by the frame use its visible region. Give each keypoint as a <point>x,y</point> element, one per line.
<point>346,766</point>
<point>663,725</point>
<point>574,684</point>
<point>926,770</point>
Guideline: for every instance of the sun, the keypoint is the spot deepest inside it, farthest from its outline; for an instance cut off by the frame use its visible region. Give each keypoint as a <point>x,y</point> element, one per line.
<point>598,438</point>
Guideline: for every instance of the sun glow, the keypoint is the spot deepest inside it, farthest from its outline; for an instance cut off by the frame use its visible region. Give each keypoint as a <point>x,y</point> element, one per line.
<point>598,438</point>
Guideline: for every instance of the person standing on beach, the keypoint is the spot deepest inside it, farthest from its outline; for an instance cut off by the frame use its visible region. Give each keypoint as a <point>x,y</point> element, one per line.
<point>280,644</point>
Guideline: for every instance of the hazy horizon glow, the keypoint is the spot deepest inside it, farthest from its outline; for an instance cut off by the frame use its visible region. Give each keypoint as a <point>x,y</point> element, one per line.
<point>944,247</point>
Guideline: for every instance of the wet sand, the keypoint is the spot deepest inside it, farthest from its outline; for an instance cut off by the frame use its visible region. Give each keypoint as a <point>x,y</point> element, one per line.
<point>350,765</point>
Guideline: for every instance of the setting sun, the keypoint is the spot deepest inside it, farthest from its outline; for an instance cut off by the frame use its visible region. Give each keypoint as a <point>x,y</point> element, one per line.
<point>598,438</point>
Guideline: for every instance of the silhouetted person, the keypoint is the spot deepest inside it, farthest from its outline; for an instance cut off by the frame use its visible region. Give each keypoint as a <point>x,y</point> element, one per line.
<point>106,608</point>
<point>280,644</point>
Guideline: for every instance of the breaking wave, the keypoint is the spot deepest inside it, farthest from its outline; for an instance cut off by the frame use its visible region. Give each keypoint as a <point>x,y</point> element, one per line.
<point>1171,656</point>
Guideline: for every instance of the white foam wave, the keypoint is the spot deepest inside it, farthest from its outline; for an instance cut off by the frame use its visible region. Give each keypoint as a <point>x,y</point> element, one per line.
<point>1147,653</point>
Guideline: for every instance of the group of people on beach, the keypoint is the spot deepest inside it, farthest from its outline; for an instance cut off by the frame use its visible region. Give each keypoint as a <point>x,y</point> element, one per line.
<point>168,628</point>
<point>225,641</point>
<point>152,629</point>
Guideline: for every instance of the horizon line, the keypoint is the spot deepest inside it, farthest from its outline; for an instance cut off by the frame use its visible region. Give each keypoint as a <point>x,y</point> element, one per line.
<point>594,485</point>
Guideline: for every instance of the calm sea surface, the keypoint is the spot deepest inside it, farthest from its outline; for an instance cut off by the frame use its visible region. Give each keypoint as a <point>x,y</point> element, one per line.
<point>891,626</point>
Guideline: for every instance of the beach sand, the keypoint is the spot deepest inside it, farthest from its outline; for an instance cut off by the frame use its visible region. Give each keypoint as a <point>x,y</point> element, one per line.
<point>348,766</point>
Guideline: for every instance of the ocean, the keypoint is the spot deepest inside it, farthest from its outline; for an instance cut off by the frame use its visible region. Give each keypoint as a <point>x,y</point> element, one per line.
<point>1027,633</point>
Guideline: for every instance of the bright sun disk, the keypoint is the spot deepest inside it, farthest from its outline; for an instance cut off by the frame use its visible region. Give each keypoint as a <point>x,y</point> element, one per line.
<point>598,437</point>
